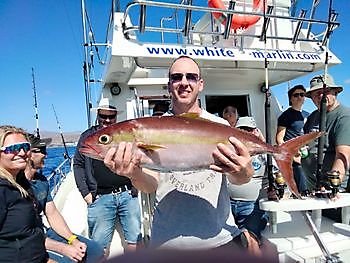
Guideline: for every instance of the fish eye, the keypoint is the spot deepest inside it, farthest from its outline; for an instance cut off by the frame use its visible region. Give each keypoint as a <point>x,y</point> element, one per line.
<point>104,139</point>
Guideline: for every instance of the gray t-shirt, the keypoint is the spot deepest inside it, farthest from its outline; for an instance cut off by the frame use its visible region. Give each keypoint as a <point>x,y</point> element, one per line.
<point>337,133</point>
<point>254,189</point>
<point>192,209</point>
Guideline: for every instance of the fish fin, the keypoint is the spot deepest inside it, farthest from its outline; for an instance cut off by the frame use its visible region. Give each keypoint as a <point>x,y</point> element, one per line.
<point>285,155</point>
<point>285,167</point>
<point>191,115</point>
<point>150,147</point>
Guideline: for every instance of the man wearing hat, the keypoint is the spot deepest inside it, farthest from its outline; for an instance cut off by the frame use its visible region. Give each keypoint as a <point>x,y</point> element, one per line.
<point>337,142</point>
<point>290,125</point>
<point>110,198</point>
<point>62,245</point>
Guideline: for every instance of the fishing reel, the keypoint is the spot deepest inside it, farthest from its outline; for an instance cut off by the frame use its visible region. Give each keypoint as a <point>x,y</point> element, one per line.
<point>329,186</point>
<point>279,185</point>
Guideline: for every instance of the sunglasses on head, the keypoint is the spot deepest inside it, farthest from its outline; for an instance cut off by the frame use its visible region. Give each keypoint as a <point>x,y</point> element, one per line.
<point>41,149</point>
<point>301,94</point>
<point>16,148</point>
<point>107,116</point>
<point>191,77</point>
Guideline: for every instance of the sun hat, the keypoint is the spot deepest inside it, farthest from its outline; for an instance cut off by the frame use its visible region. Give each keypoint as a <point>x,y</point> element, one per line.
<point>317,83</point>
<point>106,104</point>
<point>246,122</point>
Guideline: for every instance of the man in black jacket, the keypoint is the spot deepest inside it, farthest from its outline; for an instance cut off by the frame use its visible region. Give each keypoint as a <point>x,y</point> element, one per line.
<point>109,197</point>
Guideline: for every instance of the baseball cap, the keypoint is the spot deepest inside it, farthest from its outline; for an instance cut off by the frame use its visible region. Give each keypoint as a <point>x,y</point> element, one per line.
<point>246,122</point>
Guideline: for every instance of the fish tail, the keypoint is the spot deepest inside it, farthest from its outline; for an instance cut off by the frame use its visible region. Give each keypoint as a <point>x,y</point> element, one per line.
<point>285,154</point>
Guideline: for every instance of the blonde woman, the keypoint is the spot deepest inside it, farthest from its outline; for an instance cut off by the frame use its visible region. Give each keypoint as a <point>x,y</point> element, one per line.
<point>21,234</point>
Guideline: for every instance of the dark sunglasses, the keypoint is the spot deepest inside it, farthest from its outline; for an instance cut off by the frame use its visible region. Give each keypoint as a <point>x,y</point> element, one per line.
<point>41,149</point>
<point>301,94</point>
<point>16,148</point>
<point>107,116</point>
<point>191,77</point>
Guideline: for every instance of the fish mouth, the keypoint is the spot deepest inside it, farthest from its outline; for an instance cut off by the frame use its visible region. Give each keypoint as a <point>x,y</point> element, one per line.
<point>90,151</point>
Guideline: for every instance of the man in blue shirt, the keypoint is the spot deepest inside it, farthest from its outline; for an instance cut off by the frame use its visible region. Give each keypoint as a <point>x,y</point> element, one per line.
<point>290,125</point>
<point>61,244</point>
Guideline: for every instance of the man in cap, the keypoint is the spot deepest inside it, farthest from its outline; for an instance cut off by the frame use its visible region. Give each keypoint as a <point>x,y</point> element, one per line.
<point>245,198</point>
<point>109,198</point>
<point>337,142</point>
<point>290,125</point>
<point>62,245</point>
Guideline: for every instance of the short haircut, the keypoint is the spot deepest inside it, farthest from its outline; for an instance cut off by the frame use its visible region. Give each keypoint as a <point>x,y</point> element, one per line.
<point>181,57</point>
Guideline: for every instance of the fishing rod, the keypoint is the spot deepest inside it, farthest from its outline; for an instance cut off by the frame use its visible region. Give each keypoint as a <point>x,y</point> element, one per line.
<point>323,105</point>
<point>266,90</point>
<point>35,106</point>
<point>66,154</point>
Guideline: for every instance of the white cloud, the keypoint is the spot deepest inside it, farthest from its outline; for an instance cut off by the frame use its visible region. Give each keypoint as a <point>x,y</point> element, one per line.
<point>347,81</point>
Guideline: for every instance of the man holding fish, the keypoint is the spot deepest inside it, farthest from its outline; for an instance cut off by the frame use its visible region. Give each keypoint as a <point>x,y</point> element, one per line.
<point>192,209</point>
<point>186,156</point>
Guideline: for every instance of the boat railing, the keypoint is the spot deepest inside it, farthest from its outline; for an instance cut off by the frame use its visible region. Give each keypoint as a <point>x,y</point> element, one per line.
<point>58,175</point>
<point>325,26</point>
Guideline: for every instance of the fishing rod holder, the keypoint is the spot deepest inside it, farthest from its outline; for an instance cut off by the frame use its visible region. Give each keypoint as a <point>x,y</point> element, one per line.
<point>329,186</point>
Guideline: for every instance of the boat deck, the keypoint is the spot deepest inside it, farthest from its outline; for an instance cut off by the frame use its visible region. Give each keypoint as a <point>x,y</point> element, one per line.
<point>292,237</point>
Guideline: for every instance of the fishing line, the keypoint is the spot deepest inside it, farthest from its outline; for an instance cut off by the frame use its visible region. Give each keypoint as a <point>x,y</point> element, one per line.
<point>66,154</point>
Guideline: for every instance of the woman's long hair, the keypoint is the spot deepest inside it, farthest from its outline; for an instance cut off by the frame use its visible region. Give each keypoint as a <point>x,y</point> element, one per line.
<point>5,130</point>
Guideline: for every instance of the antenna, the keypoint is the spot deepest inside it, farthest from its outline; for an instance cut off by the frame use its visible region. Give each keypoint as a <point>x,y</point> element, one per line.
<point>65,155</point>
<point>35,106</point>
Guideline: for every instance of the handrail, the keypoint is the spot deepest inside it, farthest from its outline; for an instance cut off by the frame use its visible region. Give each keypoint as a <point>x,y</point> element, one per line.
<point>58,175</point>
<point>210,10</point>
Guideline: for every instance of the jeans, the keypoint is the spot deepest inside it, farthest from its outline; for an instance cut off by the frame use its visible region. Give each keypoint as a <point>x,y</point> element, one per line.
<point>106,210</point>
<point>94,251</point>
<point>299,177</point>
<point>248,216</point>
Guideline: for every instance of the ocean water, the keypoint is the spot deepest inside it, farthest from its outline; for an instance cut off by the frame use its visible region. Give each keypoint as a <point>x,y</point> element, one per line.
<point>55,156</point>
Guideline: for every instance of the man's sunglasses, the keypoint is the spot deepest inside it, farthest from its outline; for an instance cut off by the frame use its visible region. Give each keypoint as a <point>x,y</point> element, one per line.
<point>41,150</point>
<point>16,148</point>
<point>191,77</point>
<point>107,116</point>
<point>301,94</point>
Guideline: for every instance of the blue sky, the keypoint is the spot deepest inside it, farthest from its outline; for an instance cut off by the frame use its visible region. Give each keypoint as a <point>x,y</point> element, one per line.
<point>47,35</point>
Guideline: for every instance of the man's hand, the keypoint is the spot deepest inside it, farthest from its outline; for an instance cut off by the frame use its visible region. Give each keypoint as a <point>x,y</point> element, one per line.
<point>123,160</point>
<point>76,251</point>
<point>236,161</point>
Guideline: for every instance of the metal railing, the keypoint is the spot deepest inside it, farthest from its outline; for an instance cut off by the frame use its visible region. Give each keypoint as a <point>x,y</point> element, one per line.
<point>57,176</point>
<point>328,24</point>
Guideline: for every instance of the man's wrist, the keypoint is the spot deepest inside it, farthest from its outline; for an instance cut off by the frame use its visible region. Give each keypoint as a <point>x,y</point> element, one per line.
<point>71,239</point>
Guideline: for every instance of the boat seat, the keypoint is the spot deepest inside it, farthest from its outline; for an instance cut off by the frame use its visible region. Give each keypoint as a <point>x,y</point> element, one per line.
<point>343,229</point>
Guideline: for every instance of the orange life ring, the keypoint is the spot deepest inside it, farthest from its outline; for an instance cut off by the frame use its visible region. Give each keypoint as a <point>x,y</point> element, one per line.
<point>238,21</point>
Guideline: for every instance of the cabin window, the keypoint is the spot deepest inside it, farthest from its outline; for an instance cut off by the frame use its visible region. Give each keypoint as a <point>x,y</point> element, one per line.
<point>216,104</point>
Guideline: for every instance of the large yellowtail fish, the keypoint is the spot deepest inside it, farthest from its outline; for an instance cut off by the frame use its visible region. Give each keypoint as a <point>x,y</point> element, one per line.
<point>186,142</point>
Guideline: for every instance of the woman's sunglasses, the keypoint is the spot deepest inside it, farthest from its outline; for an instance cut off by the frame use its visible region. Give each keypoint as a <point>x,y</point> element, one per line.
<point>16,148</point>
